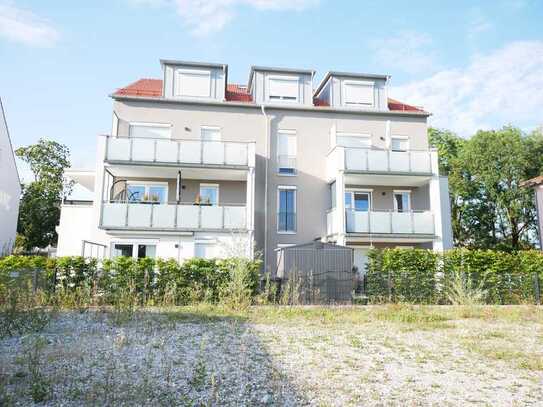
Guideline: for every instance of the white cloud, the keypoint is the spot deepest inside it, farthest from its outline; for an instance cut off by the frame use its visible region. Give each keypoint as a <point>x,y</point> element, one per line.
<point>23,26</point>
<point>502,87</point>
<point>203,17</point>
<point>409,51</point>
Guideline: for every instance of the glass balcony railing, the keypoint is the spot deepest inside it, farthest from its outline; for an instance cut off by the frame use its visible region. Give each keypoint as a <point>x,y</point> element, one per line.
<point>170,151</point>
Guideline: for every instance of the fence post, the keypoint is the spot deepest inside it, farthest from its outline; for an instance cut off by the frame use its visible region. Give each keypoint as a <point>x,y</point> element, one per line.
<point>537,289</point>
<point>389,287</point>
<point>34,280</point>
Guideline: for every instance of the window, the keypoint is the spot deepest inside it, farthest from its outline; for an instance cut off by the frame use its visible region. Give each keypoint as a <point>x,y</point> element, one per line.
<point>353,140</point>
<point>399,143</point>
<point>192,83</point>
<point>137,251</point>
<point>358,201</point>
<point>283,88</point>
<point>209,194</point>
<point>402,201</point>
<point>210,133</point>
<point>204,250</point>
<point>358,93</point>
<point>286,209</point>
<point>286,152</point>
<point>150,130</point>
<point>140,192</point>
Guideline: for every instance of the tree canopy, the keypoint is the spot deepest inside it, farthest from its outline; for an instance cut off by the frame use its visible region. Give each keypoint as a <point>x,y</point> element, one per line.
<point>489,208</point>
<point>39,211</point>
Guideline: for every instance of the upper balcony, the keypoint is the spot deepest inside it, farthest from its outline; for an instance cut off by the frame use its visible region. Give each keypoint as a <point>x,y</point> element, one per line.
<point>357,160</point>
<point>175,152</point>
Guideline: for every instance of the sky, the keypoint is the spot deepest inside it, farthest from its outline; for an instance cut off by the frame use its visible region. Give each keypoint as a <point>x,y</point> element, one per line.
<point>473,64</point>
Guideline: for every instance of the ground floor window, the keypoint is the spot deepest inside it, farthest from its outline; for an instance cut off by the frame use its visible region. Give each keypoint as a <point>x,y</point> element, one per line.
<point>134,250</point>
<point>204,250</point>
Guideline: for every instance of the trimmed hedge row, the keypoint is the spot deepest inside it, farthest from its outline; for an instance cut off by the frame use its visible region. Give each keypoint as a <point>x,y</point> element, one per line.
<point>423,276</point>
<point>151,280</point>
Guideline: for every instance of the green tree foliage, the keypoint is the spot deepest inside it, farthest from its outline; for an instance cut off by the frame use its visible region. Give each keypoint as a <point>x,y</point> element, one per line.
<point>489,208</point>
<point>39,210</point>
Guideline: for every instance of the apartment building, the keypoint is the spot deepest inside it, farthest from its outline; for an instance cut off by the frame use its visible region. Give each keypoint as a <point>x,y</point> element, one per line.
<point>197,166</point>
<point>10,189</point>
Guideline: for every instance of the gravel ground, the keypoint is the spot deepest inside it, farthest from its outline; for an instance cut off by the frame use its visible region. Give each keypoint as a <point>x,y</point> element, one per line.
<point>310,356</point>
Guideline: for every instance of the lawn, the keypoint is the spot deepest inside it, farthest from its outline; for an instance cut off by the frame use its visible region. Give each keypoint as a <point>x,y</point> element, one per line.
<point>270,355</point>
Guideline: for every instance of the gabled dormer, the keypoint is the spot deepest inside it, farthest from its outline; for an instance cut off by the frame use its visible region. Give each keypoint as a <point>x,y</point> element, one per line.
<point>281,85</point>
<point>353,91</point>
<point>194,80</point>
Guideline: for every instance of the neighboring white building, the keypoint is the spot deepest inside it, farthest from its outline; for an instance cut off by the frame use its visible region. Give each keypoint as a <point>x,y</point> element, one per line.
<point>10,189</point>
<point>195,166</point>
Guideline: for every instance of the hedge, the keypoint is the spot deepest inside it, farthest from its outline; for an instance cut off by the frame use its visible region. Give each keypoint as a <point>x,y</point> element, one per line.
<point>423,276</point>
<point>150,280</point>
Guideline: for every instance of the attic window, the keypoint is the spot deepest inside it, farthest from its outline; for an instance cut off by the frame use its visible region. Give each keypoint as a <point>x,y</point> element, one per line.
<point>358,93</point>
<point>192,83</point>
<point>283,88</point>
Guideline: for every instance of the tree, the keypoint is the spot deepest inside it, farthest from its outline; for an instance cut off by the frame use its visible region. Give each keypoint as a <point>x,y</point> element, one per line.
<point>39,211</point>
<point>489,207</point>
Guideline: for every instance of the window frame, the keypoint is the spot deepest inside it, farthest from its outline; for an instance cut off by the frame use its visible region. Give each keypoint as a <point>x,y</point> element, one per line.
<point>177,81</point>
<point>210,185</point>
<point>353,191</point>
<point>217,128</point>
<point>288,133</point>
<point>367,136</point>
<point>281,98</point>
<point>131,125</point>
<point>147,185</point>
<point>287,188</point>
<point>399,137</point>
<point>205,243</point>
<point>346,83</point>
<point>409,197</point>
<point>135,244</point>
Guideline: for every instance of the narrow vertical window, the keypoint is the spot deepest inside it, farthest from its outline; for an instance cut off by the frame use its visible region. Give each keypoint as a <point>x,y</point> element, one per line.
<point>402,201</point>
<point>286,152</point>
<point>286,215</point>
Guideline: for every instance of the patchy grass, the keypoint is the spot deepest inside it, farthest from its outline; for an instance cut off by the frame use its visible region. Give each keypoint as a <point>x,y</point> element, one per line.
<point>278,355</point>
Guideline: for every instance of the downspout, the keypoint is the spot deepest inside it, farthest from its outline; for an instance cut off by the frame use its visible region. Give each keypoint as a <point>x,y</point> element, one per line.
<point>267,122</point>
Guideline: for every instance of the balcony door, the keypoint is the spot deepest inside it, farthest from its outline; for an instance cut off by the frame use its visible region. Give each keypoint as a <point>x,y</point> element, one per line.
<point>359,201</point>
<point>147,192</point>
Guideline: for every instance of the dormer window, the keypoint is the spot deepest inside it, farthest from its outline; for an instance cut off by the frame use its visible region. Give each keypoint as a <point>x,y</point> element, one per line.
<point>192,83</point>
<point>358,93</point>
<point>283,88</point>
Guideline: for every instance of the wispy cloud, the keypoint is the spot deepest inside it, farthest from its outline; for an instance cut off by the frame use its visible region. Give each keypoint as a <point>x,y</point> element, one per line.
<point>478,23</point>
<point>504,86</point>
<point>409,51</point>
<point>25,27</point>
<point>204,17</point>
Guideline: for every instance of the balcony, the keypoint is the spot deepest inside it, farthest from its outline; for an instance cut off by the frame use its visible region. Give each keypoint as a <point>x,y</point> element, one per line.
<point>172,216</point>
<point>193,153</point>
<point>383,222</point>
<point>368,160</point>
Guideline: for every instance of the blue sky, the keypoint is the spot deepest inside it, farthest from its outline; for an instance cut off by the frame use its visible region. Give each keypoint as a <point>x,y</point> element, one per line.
<point>472,64</point>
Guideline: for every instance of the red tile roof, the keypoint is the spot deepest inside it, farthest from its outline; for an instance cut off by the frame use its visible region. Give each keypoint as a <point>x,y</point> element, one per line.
<point>238,93</point>
<point>234,93</point>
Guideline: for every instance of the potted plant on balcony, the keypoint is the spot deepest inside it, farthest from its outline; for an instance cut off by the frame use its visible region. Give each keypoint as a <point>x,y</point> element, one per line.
<point>151,199</point>
<point>202,201</point>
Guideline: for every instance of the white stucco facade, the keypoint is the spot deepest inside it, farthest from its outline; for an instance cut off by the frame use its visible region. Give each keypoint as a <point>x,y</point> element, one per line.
<point>10,188</point>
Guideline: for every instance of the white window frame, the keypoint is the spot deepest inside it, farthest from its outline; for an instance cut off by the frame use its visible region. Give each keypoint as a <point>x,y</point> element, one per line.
<point>211,242</point>
<point>401,191</point>
<point>219,129</point>
<point>282,98</point>
<point>295,189</point>
<point>347,83</point>
<point>208,185</point>
<point>177,82</point>
<point>149,124</point>
<point>350,134</point>
<point>352,191</point>
<point>134,244</point>
<point>398,137</point>
<point>288,133</point>
<point>147,185</point>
